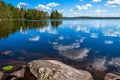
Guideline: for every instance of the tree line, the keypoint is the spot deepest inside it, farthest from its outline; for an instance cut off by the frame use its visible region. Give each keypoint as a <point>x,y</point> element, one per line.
<point>7,11</point>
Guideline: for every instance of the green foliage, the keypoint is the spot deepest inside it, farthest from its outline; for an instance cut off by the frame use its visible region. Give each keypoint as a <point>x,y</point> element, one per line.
<point>55,15</point>
<point>7,11</point>
<point>7,68</point>
<point>32,14</point>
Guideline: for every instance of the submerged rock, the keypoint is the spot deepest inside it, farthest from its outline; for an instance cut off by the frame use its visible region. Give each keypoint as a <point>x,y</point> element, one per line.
<point>53,70</point>
<point>18,74</point>
<point>5,52</point>
<point>1,75</point>
<point>111,76</point>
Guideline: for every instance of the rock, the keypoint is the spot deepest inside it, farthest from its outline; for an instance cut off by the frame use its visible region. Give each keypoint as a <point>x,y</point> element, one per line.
<point>111,76</point>
<point>6,53</point>
<point>1,75</point>
<point>18,74</point>
<point>53,70</point>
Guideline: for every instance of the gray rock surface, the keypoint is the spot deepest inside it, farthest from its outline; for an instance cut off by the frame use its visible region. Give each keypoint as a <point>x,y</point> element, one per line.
<point>1,75</point>
<point>19,73</point>
<point>111,76</point>
<point>53,70</point>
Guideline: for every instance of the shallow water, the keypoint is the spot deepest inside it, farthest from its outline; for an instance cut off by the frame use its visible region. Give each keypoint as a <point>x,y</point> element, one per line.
<point>88,44</point>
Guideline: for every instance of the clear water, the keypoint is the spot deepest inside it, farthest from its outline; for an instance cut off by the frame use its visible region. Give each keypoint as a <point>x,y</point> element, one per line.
<point>88,44</point>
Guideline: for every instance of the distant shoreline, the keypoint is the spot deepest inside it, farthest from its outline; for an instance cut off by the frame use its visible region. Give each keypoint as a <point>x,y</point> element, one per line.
<point>82,17</point>
<point>63,18</point>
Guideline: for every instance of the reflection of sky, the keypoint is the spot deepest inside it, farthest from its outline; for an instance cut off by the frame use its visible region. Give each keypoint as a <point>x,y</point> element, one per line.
<point>74,39</point>
<point>75,54</point>
<point>99,64</point>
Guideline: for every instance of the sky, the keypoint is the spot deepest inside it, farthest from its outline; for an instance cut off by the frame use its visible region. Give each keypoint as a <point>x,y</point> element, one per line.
<point>73,8</point>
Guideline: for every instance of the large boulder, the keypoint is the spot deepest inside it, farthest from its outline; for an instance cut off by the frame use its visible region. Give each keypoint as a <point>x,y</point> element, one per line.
<point>53,70</point>
<point>111,76</point>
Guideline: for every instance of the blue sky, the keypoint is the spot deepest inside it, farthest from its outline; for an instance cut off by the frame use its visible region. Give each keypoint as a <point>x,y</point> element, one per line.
<point>72,8</point>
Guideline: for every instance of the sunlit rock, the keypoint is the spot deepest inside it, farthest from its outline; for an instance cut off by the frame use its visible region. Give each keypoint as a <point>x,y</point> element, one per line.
<point>54,70</point>
<point>111,76</point>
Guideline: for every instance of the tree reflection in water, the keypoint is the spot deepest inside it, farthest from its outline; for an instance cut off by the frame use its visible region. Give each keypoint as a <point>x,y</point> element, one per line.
<point>10,27</point>
<point>55,24</point>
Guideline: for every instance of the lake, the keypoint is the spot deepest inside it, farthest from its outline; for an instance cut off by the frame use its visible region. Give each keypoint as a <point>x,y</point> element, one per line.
<point>88,44</point>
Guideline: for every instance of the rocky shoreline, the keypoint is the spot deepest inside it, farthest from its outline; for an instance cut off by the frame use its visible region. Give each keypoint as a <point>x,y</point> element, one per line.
<point>51,70</point>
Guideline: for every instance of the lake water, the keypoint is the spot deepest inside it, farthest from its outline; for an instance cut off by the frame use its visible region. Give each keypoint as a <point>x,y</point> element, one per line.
<point>88,44</point>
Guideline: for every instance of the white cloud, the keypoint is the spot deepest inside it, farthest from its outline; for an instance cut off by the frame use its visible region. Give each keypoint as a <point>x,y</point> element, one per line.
<point>83,7</point>
<point>42,7</point>
<point>23,31</point>
<point>71,9</point>
<point>67,47</point>
<point>100,11</point>
<point>111,33</point>
<point>52,4</point>
<point>61,38</point>
<point>61,11</point>
<point>35,38</point>
<point>83,29</point>
<point>96,0</point>
<point>94,35</point>
<point>76,54</point>
<point>47,6</point>
<point>21,4</point>
<point>112,3</point>
<point>48,30</point>
<point>104,10</point>
<point>108,42</point>
<point>82,39</point>
<point>78,7</point>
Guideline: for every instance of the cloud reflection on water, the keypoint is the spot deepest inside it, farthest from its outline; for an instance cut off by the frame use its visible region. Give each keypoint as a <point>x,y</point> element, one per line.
<point>115,61</point>
<point>35,38</point>
<point>75,54</point>
<point>66,47</point>
<point>99,64</point>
